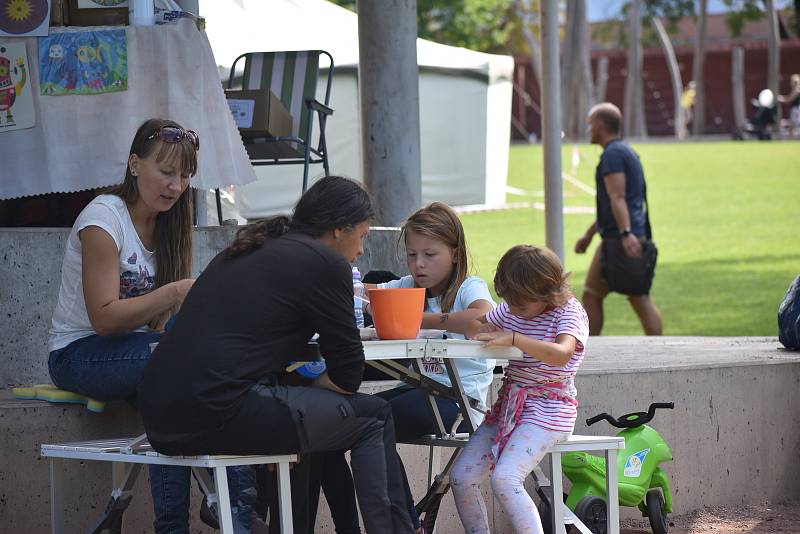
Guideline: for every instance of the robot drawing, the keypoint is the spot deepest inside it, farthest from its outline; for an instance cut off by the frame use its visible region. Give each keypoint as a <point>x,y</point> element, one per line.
<point>8,89</point>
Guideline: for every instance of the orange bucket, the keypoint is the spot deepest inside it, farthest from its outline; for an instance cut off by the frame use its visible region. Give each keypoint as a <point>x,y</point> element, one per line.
<point>397,312</point>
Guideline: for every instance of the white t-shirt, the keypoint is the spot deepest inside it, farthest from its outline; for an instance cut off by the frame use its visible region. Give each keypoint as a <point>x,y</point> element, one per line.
<point>476,374</point>
<point>137,268</point>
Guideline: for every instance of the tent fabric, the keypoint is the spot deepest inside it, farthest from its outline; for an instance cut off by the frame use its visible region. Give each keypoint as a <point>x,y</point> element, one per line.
<point>82,141</point>
<point>465,101</point>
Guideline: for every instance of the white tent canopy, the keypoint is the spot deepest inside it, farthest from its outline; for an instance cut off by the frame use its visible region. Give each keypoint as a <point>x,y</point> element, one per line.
<point>465,102</point>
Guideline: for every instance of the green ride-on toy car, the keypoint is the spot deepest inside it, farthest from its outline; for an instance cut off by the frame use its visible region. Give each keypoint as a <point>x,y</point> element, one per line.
<point>642,482</point>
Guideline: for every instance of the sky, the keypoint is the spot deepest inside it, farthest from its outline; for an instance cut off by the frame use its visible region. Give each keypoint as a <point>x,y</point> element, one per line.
<point>607,9</point>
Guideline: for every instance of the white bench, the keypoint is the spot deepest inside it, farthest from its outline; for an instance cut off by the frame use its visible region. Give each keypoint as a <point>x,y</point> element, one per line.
<point>561,515</point>
<point>129,454</point>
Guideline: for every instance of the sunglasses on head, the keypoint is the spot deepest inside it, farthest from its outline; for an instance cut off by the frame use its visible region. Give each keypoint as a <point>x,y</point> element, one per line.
<point>173,134</point>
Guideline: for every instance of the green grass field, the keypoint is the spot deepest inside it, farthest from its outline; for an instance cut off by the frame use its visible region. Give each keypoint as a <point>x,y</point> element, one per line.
<point>725,218</point>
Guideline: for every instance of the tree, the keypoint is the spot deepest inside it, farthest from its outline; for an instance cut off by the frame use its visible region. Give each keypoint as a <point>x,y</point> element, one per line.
<point>774,51</point>
<point>698,62</point>
<point>529,19</point>
<point>675,78</point>
<point>576,75</point>
<point>484,25</point>
<point>634,122</point>
<point>742,11</point>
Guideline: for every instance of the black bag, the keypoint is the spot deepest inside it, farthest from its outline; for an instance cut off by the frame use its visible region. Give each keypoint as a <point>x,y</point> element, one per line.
<point>626,275</point>
<point>789,317</point>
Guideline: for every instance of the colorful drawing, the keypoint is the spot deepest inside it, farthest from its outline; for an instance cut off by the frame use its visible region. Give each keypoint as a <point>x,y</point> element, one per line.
<point>16,100</point>
<point>83,63</point>
<point>20,18</point>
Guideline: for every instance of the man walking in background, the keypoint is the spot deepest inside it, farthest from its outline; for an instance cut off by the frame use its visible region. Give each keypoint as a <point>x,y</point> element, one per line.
<point>623,225</point>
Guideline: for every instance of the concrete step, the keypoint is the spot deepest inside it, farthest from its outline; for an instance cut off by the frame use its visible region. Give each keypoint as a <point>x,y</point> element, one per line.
<point>734,431</point>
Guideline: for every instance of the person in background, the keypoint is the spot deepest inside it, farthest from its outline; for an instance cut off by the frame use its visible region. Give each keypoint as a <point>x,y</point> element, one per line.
<point>620,215</point>
<point>536,406</point>
<point>126,271</point>
<point>687,103</point>
<point>249,314</point>
<point>436,255</point>
<point>793,99</point>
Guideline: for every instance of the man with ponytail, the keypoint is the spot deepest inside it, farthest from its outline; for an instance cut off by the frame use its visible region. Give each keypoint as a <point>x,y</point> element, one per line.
<point>213,385</point>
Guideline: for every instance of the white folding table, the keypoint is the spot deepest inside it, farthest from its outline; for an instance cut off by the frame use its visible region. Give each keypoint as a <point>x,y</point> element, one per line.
<point>383,355</point>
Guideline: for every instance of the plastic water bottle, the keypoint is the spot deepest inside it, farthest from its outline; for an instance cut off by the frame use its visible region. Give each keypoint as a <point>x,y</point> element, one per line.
<point>358,293</point>
<point>311,369</point>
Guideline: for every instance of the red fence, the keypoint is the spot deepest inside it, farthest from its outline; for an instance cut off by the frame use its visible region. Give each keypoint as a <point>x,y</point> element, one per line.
<point>658,88</point>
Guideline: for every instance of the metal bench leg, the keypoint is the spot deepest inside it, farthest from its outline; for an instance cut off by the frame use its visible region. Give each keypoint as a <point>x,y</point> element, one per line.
<point>224,500</point>
<point>56,492</point>
<point>612,492</point>
<point>285,498</point>
<point>558,491</point>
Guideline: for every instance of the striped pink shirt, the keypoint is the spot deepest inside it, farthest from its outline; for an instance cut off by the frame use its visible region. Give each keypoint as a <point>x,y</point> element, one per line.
<point>552,414</point>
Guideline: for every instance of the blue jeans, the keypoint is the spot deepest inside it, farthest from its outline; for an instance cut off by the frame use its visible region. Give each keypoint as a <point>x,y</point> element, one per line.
<point>110,368</point>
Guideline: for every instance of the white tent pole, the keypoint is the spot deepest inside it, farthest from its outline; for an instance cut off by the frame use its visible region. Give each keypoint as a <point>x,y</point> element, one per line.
<point>551,129</point>
<point>388,88</point>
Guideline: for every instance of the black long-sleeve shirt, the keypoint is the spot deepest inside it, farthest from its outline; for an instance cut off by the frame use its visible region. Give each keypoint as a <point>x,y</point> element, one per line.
<point>245,319</point>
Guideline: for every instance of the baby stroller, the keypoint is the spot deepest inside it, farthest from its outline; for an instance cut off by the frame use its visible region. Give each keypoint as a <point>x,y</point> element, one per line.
<point>765,116</point>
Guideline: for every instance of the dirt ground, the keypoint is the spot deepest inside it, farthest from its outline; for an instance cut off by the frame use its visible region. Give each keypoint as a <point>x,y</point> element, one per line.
<point>783,518</point>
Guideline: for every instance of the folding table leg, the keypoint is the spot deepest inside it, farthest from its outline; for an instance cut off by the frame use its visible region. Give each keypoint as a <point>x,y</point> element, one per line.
<point>123,477</point>
<point>224,503</point>
<point>56,493</point>
<point>285,498</point>
<point>558,491</point>
<point>612,492</point>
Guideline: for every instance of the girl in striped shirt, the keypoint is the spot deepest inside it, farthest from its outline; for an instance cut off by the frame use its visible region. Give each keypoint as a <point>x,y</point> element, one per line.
<point>537,406</point>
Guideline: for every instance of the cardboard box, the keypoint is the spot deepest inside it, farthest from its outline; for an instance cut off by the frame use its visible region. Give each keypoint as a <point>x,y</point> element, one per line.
<point>258,113</point>
<point>261,148</point>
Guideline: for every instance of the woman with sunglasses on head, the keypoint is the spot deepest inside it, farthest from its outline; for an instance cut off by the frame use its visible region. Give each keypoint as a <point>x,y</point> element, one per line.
<point>126,270</point>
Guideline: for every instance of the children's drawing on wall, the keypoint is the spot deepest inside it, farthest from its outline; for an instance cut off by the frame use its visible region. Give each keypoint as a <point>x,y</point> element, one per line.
<point>24,18</point>
<point>16,99</point>
<point>89,4</point>
<point>84,63</point>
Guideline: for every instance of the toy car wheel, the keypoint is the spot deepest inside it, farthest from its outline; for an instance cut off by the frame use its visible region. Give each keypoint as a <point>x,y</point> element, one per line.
<point>655,511</point>
<point>592,512</point>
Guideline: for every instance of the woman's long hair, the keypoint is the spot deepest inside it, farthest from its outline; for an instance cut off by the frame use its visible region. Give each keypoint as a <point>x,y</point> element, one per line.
<point>438,221</point>
<point>332,202</point>
<point>173,230</point>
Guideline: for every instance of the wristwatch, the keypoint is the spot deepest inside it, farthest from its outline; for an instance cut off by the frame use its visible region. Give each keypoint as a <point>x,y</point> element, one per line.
<point>626,232</point>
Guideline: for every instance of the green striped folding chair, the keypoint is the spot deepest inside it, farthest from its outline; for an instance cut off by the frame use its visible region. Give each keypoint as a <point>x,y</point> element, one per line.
<point>292,77</point>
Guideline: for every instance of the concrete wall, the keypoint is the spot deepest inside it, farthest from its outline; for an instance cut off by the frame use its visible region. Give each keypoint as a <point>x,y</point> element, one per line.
<point>734,434</point>
<point>735,431</point>
<point>30,275</point>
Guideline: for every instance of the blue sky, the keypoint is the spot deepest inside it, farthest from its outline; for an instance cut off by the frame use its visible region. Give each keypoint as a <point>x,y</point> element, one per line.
<point>606,9</point>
